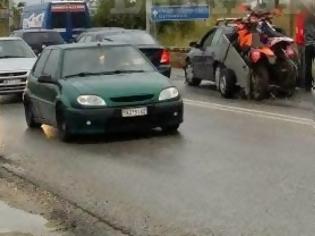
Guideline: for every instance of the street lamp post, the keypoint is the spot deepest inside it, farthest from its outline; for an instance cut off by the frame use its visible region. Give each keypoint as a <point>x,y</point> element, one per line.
<point>148,7</point>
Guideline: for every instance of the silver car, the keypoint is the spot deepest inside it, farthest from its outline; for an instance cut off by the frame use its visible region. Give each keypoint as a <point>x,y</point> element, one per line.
<point>16,61</point>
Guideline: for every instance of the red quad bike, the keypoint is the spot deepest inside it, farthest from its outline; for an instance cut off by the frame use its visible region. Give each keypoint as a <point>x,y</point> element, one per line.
<point>270,55</point>
<point>284,72</point>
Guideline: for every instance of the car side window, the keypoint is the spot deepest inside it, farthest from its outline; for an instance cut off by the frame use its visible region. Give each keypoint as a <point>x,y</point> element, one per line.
<point>208,41</point>
<point>52,65</point>
<point>216,37</point>
<point>39,66</point>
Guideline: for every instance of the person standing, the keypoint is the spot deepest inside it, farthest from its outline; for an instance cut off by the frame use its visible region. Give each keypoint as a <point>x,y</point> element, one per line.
<point>309,37</point>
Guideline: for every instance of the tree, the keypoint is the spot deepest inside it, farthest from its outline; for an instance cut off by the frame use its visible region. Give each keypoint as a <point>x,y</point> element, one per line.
<point>105,17</point>
<point>4,4</point>
<point>21,4</point>
<point>229,5</point>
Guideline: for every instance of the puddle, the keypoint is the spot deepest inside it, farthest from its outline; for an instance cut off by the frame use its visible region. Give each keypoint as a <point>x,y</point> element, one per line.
<point>15,222</point>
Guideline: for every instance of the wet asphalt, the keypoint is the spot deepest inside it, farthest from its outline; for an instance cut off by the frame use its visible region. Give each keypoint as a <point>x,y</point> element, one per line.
<point>235,168</point>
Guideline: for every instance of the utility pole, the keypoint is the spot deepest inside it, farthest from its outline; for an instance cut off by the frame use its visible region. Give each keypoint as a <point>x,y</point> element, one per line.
<point>9,15</point>
<point>148,6</point>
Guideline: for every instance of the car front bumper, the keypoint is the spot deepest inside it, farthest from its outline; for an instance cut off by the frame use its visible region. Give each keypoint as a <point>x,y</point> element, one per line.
<point>97,121</point>
<point>12,82</point>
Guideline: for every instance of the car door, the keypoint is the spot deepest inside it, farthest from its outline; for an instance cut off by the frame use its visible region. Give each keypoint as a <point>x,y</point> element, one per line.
<point>209,54</point>
<point>50,91</point>
<point>33,86</point>
<point>202,60</point>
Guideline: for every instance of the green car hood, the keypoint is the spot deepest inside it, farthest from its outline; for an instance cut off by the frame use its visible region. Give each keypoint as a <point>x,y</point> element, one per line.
<point>120,85</point>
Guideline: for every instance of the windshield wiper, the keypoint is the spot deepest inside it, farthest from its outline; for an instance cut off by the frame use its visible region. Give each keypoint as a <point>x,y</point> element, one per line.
<point>81,74</point>
<point>114,72</point>
<point>7,56</point>
<point>122,72</point>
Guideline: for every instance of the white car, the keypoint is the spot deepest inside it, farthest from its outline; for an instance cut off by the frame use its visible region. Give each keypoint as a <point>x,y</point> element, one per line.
<point>16,62</point>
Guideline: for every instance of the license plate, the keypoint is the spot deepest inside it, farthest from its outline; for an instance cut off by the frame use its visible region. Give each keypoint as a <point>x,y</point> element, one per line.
<point>134,112</point>
<point>12,81</point>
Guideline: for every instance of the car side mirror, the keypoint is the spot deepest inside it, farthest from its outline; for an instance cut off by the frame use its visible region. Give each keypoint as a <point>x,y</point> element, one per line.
<point>193,45</point>
<point>45,79</point>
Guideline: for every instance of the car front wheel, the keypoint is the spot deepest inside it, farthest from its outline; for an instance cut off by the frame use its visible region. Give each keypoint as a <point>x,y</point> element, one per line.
<point>190,75</point>
<point>63,127</point>
<point>29,116</point>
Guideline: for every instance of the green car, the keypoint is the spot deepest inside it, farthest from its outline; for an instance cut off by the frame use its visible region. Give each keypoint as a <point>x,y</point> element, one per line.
<point>99,88</point>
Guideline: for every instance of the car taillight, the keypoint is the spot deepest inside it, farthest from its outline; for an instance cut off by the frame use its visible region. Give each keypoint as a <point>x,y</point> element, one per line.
<point>290,52</point>
<point>255,56</point>
<point>165,57</point>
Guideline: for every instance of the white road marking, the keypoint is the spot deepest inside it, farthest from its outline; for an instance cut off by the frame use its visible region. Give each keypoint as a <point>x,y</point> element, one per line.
<point>251,112</point>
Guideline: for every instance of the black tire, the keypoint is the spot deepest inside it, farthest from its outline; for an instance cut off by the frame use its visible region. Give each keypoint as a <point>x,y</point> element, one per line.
<point>190,78</point>
<point>288,82</point>
<point>227,83</point>
<point>217,74</point>
<point>170,128</point>
<point>260,82</point>
<point>62,125</point>
<point>29,116</point>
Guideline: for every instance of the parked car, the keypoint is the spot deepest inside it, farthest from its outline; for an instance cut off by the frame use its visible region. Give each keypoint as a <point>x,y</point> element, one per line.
<point>16,62</point>
<point>38,39</point>
<point>200,61</point>
<point>115,87</point>
<point>159,55</point>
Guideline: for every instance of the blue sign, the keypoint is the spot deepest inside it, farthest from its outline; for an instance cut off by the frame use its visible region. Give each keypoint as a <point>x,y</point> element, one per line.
<point>178,13</point>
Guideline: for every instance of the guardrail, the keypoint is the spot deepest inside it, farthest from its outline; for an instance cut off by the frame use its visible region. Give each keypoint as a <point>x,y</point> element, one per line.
<point>179,50</point>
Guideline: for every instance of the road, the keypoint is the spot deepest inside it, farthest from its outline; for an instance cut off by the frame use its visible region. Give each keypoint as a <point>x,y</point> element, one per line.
<point>235,168</point>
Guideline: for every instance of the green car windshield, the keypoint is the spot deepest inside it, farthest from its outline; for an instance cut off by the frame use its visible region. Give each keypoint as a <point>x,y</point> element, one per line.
<point>104,60</point>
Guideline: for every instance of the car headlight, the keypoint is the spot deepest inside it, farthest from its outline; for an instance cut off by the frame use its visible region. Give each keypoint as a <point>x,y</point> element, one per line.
<point>169,93</point>
<point>91,101</point>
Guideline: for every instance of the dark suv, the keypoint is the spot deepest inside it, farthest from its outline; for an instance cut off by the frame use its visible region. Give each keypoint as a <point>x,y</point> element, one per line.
<point>158,55</point>
<point>38,39</point>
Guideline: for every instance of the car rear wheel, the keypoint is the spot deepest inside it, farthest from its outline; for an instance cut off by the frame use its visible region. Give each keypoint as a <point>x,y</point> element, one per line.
<point>190,75</point>
<point>288,83</point>
<point>227,83</point>
<point>170,128</point>
<point>63,127</point>
<point>260,82</point>
<point>29,116</point>
<point>217,74</point>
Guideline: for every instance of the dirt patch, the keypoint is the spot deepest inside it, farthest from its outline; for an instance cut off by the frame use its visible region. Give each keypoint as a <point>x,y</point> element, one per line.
<point>63,217</point>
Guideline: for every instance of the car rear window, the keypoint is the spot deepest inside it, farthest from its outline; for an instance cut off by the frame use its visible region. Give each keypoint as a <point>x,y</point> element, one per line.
<point>39,38</point>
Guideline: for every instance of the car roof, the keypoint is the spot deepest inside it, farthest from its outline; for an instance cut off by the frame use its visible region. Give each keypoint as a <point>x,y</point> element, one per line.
<point>34,30</point>
<point>10,39</point>
<point>115,31</point>
<point>86,45</point>
<point>101,29</point>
